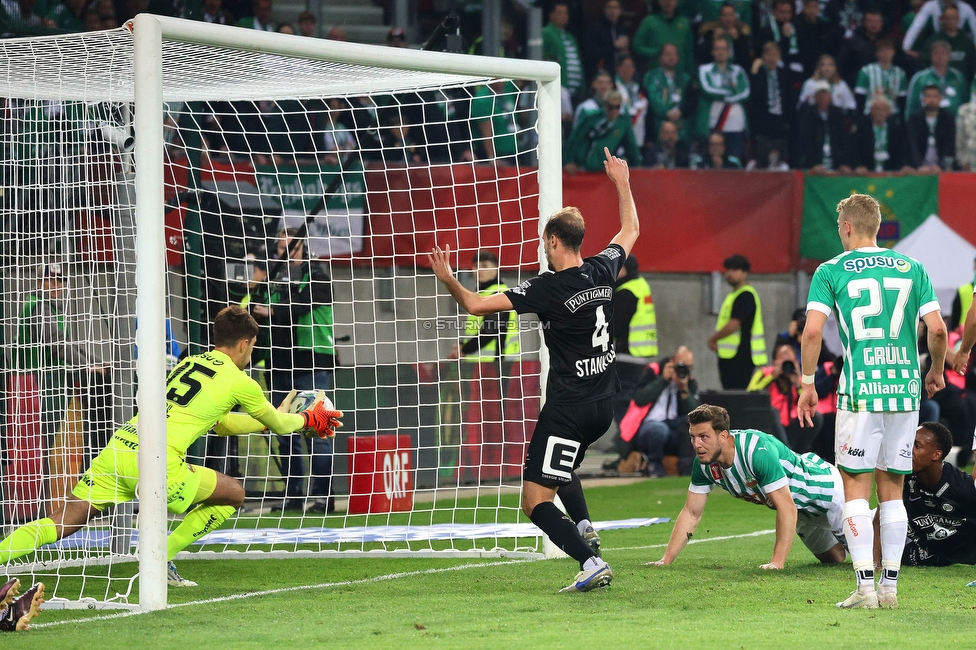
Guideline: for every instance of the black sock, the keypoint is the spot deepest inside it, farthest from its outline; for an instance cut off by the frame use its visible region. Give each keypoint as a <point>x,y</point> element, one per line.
<point>571,495</point>
<point>561,531</point>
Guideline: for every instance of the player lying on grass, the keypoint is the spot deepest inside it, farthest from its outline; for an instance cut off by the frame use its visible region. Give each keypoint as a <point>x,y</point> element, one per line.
<point>805,491</point>
<point>200,392</point>
<point>941,504</point>
<point>17,613</point>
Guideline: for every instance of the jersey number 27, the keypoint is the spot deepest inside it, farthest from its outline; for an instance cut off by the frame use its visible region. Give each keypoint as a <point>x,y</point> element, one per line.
<point>857,288</point>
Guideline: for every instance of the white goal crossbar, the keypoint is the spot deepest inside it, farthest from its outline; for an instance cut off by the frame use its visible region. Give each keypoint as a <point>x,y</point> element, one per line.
<point>157,60</point>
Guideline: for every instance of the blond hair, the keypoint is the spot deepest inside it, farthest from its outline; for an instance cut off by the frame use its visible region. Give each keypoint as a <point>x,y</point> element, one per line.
<point>863,212</point>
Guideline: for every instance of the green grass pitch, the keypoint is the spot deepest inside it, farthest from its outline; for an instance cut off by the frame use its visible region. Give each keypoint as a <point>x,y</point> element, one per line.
<point>714,596</point>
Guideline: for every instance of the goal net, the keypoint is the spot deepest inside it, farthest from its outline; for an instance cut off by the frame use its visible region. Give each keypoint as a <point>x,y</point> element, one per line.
<point>160,172</point>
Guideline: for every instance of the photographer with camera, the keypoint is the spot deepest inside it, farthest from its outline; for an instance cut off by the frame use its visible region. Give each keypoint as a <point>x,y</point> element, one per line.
<point>782,381</point>
<point>656,422</point>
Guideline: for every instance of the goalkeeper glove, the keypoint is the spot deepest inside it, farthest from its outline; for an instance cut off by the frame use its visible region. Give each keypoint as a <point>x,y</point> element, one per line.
<point>322,421</point>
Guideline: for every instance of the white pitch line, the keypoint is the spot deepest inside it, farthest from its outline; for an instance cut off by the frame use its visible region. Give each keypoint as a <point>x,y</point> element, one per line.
<point>382,578</point>
<point>757,533</point>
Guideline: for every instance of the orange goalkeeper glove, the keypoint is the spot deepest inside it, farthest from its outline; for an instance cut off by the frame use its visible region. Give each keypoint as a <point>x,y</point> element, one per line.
<point>322,421</point>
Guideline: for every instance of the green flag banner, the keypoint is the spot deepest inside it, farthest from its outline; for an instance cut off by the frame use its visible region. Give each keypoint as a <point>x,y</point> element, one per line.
<point>338,228</point>
<point>906,201</point>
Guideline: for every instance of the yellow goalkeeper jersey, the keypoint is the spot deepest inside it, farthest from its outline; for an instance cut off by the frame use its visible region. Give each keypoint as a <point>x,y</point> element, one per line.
<point>202,390</point>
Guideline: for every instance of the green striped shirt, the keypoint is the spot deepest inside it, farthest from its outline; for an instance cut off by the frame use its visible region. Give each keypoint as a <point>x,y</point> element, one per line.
<point>762,465</point>
<point>873,78</point>
<point>878,297</point>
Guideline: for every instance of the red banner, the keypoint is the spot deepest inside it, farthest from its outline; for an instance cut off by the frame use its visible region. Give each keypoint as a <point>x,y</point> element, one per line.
<point>956,204</point>
<point>466,207</point>
<point>691,221</point>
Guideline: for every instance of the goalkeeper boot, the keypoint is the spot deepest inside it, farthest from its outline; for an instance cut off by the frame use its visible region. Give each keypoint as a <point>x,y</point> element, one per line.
<point>173,577</point>
<point>860,600</point>
<point>22,611</point>
<point>888,596</point>
<point>8,592</point>
<point>592,540</point>
<point>589,579</point>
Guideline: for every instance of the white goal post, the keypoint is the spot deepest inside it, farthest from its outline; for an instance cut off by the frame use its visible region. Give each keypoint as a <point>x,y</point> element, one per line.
<point>156,62</point>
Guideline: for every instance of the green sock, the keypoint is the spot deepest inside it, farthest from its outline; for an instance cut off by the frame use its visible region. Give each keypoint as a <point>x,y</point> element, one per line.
<point>27,539</point>
<point>197,523</point>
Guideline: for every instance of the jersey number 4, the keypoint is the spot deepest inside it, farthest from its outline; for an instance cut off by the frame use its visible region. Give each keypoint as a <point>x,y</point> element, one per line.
<point>601,333</point>
<point>192,383</point>
<point>857,288</point>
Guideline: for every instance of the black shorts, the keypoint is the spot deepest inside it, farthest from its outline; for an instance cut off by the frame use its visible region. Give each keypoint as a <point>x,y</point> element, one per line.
<point>561,437</point>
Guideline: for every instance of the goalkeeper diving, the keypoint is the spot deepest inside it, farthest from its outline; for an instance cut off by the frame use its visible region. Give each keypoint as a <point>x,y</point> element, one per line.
<point>200,393</point>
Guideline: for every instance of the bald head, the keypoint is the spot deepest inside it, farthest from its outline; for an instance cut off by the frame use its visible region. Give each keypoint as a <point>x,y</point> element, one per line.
<point>684,355</point>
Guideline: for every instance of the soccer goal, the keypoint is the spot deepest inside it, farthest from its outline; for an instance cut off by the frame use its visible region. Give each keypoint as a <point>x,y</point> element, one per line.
<point>161,171</point>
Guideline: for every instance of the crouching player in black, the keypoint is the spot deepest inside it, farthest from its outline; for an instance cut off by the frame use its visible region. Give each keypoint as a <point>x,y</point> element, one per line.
<point>575,305</point>
<point>941,504</point>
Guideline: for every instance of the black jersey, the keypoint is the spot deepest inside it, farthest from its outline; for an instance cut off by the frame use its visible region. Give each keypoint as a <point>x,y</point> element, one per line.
<point>942,521</point>
<point>575,307</point>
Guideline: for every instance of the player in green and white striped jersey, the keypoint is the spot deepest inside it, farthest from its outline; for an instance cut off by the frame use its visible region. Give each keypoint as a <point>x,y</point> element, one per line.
<point>882,78</point>
<point>878,297</point>
<point>805,491</point>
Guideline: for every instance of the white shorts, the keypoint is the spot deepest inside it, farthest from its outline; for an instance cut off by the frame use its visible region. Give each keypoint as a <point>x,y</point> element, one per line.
<point>822,532</point>
<point>866,441</point>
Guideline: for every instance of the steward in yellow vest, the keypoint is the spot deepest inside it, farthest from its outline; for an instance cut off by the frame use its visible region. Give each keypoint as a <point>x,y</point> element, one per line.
<point>739,338</point>
<point>634,317</point>
<point>489,339</point>
<point>634,332</point>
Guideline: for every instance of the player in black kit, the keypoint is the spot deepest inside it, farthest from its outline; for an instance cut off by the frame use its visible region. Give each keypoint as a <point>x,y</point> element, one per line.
<point>941,504</point>
<point>575,305</point>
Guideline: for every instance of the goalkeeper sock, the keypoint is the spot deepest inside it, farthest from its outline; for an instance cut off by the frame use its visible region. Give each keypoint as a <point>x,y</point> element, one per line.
<point>573,500</point>
<point>197,523</point>
<point>894,529</point>
<point>561,531</point>
<point>859,532</point>
<point>27,539</point>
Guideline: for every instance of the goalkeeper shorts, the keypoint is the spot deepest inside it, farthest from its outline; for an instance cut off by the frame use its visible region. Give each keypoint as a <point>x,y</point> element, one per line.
<point>113,477</point>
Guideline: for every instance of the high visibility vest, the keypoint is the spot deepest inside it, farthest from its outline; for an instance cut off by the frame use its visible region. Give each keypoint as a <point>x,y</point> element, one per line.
<point>965,300</point>
<point>728,346</point>
<point>473,324</point>
<point>642,336</point>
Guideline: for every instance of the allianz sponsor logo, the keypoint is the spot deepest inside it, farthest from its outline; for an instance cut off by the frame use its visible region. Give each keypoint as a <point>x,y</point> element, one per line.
<point>596,294</point>
<point>859,264</point>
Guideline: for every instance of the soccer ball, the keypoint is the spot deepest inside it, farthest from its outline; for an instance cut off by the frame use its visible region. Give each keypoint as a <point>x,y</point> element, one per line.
<point>304,399</point>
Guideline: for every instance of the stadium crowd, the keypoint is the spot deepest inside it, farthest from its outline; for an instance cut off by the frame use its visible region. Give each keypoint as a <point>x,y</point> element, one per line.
<point>834,87</point>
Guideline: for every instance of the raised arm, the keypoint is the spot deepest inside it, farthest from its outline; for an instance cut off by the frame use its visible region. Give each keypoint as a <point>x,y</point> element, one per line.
<point>684,527</point>
<point>619,173</point>
<point>440,263</point>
